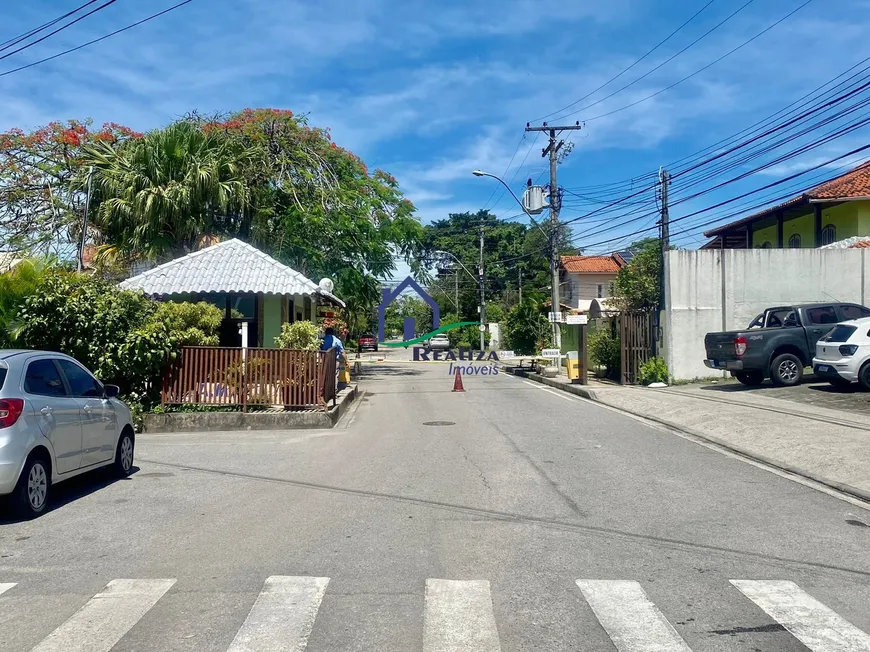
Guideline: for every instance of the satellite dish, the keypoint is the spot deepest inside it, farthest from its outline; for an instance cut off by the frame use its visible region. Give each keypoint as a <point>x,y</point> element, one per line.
<point>326,285</point>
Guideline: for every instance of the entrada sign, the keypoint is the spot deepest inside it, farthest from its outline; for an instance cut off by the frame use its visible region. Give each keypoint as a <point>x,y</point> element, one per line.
<point>421,353</point>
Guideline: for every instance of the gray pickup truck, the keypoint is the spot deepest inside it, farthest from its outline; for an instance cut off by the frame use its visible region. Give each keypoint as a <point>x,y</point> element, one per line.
<point>779,343</point>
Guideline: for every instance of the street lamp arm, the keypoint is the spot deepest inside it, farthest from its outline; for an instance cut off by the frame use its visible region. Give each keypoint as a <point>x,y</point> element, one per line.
<point>474,278</point>
<point>481,173</point>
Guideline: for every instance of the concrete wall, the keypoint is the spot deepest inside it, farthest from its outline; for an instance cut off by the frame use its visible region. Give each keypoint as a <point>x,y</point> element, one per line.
<point>271,318</point>
<point>715,290</point>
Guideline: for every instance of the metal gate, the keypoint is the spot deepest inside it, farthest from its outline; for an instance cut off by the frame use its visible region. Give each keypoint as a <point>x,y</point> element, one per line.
<point>636,340</point>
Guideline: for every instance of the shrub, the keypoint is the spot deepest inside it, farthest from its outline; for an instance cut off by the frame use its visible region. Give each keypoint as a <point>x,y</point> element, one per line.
<point>654,370</point>
<point>196,324</point>
<point>300,335</point>
<point>526,329</point>
<point>605,351</point>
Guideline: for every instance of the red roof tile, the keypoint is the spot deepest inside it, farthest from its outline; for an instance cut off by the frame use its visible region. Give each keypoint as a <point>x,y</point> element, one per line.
<point>863,244</point>
<point>590,264</point>
<point>853,184</point>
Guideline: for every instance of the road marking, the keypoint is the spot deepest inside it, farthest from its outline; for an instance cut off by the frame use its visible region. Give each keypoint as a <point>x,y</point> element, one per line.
<point>106,617</point>
<point>550,391</point>
<point>283,615</point>
<point>5,587</point>
<point>632,621</point>
<point>808,620</point>
<point>459,617</point>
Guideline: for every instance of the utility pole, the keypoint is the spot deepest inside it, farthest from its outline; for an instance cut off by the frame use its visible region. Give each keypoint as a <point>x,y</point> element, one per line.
<point>520,270</point>
<point>552,149</point>
<point>482,297</point>
<point>456,293</point>
<point>81,263</point>
<point>665,238</point>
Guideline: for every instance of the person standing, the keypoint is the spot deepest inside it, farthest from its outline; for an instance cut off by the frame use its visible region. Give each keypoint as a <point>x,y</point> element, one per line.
<point>330,340</point>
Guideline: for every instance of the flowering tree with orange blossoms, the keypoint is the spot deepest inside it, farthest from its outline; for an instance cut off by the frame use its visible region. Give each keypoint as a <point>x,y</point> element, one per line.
<point>41,181</point>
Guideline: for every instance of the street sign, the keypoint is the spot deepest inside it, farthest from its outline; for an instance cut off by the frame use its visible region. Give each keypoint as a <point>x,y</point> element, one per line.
<point>555,317</point>
<point>551,353</point>
<point>482,328</point>
<point>506,354</point>
<point>576,319</point>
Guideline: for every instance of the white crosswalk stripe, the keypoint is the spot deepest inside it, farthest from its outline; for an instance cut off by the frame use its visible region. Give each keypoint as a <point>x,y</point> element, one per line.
<point>106,617</point>
<point>808,620</point>
<point>632,621</point>
<point>458,617</point>
<point>283,615</point>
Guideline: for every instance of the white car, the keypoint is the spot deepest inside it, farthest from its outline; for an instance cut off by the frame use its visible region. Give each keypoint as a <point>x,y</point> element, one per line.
<point>843,355</point>
<point>56,422</point>
<point>439,342</point>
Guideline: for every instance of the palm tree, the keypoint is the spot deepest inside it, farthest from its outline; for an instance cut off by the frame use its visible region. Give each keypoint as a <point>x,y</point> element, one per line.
<point>157,196</point>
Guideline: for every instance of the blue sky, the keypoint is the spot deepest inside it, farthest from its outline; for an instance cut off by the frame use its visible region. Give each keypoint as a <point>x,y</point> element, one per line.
<point>432,90</point>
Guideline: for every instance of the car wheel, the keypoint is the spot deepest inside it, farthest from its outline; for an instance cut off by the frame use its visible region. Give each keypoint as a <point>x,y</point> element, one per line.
<point>34,485</point>
<point>124,454</point>
<point>786,370</point>
<point>864,376</point>
<point>750,378</point>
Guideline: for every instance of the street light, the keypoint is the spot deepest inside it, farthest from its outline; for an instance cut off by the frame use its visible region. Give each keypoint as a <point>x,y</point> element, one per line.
<point>555,305</point>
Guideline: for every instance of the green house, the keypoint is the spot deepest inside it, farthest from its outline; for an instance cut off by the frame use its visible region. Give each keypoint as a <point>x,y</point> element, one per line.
<point>833,211</point>
<point>248,285</point>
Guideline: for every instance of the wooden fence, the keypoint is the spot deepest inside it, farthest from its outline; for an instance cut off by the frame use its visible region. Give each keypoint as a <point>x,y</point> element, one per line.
<point>206,375</point>
<point>636,340</point>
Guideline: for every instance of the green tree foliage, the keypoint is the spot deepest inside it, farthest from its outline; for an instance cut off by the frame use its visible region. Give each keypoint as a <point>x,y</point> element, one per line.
<point>637,285</point>
<point>526,329</point>
<point>123,337</point>
<point>408,306</point>
<point>300,335</point>
<point>15,286</point>
<point>494,313</point>
<point>41,196</point>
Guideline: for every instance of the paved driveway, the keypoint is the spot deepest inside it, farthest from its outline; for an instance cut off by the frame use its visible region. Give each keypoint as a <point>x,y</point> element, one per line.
<point>810,392</point>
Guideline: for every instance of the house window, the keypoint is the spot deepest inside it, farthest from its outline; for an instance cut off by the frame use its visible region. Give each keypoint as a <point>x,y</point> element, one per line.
<point>600,291</point>
<point>829,235</point>
<point>794,242</point>
<point>764,245</point>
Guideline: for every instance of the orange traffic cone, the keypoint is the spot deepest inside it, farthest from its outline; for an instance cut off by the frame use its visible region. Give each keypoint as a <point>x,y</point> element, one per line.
<point>457,382</point>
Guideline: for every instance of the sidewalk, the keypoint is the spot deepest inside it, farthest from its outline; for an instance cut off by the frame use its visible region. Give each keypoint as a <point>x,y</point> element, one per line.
<point>827,446</point>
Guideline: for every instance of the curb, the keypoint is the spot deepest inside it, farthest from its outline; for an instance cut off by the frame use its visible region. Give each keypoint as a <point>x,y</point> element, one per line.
<point>186,422</point>
<point>593,395</point>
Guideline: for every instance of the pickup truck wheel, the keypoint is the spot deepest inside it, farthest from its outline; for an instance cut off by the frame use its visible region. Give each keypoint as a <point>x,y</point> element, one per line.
<point>750,378</point>
<point>786,370</point>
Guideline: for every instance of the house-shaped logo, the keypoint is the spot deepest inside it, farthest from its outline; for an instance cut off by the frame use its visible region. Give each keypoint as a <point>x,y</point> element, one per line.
<point>409,326</point>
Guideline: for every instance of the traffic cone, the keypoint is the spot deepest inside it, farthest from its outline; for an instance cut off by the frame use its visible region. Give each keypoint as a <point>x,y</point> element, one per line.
<point>457,382</point>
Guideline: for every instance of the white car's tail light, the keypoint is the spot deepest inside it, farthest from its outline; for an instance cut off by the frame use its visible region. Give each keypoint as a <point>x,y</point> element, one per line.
<point>848,349</point>
<point>10,410</point>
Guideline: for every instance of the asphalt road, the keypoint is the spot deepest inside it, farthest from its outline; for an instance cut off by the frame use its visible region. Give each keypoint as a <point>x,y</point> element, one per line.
<point>524,520</point>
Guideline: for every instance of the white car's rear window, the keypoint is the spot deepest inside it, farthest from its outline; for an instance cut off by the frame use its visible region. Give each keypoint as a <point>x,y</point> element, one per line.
<point>840,333</point>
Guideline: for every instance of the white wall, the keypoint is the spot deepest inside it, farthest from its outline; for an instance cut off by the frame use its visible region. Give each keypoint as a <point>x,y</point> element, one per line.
<point>585,286</point>
<point>716,290</point>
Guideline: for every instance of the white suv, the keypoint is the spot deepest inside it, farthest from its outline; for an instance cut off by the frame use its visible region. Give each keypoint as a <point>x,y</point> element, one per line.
<point>843,355</point>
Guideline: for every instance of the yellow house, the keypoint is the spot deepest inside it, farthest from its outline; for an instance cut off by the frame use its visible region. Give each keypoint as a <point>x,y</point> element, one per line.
<point>828,213</point>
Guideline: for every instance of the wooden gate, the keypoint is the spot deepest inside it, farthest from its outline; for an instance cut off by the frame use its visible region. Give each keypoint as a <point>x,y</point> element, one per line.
<point>636,340</point>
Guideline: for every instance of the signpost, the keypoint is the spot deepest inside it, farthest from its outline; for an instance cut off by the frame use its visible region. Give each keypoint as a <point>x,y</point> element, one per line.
<point>576,319</point>
<point>555,317</point>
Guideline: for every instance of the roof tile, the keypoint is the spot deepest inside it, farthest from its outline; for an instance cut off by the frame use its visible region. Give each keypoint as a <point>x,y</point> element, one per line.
<point>590,264</point>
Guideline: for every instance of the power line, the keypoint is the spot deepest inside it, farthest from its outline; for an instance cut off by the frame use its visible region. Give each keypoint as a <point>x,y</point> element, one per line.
<point>5,45</point>
<point>96,40</point>
<point>59,29</point>
<point>662,64</point>
<point>649,52</point>
<point>697,72</point>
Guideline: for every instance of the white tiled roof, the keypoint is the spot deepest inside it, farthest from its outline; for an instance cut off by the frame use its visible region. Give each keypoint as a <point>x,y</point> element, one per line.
<point>231,266</point>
